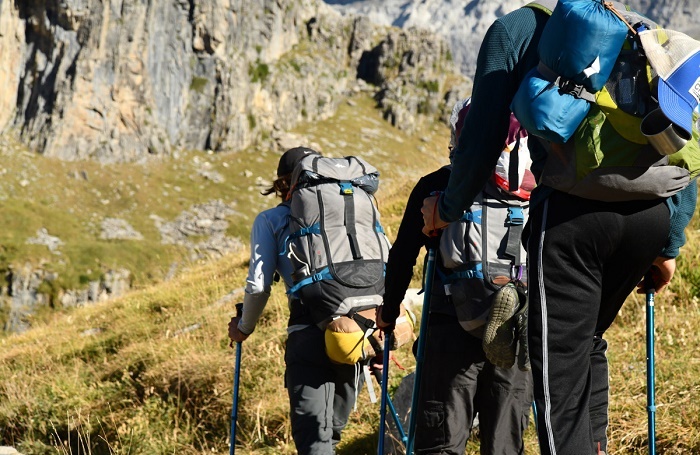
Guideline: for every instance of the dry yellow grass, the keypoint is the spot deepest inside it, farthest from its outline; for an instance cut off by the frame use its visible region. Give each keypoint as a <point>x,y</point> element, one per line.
<point>151,373</point>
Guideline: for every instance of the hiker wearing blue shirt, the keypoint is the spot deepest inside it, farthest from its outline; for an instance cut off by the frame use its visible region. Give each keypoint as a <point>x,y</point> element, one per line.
<point>321,393</point>
<point>585,255</point>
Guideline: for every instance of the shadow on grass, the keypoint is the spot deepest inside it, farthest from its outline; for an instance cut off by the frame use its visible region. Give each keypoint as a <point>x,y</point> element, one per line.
<point>363,445</point>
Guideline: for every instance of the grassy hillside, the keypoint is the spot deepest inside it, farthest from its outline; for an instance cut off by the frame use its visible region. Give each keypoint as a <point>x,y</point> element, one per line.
<point>151,373</point>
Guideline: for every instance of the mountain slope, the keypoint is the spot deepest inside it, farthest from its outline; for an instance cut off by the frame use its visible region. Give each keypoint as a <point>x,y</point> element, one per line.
<point>151,372</point>
<point>464,22</point>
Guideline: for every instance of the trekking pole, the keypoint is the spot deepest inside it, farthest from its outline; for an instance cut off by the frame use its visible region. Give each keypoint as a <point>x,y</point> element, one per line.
<point>651,405</point>
<point>236,380</point>
<point>397,419</point>
<point>383,380</point>
<point>385,392</point>
<point>422,337</point>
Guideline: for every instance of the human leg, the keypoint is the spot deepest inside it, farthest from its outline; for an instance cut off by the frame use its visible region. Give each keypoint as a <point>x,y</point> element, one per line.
<point>504,397</point>
<point>445,413</point>
<point>348,381</point>
<point>571,244</point>
<point>645,232</point>
<point>311,383</point>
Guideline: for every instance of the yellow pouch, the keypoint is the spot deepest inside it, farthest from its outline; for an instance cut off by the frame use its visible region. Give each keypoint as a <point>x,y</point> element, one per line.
<point>349,342</point>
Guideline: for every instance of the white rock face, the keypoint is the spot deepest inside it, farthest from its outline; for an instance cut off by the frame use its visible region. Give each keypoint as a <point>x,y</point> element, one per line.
<point>464,22</point>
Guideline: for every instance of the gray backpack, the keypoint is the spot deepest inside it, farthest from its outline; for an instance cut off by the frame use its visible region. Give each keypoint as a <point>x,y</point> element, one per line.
<point>482,252</point>
<point>337,245</point>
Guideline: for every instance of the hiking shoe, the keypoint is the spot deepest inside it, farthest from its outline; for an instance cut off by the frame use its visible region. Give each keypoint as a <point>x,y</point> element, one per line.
<point>500,340</point>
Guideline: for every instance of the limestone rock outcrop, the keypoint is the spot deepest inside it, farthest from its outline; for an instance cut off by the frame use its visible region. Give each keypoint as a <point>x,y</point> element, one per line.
<point>118,80</point>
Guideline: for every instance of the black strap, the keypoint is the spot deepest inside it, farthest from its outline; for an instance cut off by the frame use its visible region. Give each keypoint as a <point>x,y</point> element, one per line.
<point>484,235</point>
<point>515,231</point>
<point>349,201</point>
<point>364,323</point>
<point>565,85</point>
<point>513,178</point>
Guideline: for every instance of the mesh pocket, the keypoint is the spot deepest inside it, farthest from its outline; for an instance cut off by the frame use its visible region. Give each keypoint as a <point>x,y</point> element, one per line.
<point>628,85</point>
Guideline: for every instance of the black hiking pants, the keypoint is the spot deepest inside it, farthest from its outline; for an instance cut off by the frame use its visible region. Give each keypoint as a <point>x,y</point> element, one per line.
<point>584,259</point>
<point>457,382</point>
<point>321,393</point>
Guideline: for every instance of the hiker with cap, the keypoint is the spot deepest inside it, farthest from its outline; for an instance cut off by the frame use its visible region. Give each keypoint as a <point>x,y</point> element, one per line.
<point>321,393</point>
<point>459,380</point>
<point>595,228</point>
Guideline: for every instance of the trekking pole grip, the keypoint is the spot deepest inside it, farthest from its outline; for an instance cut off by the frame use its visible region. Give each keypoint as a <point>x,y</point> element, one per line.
<point>649,286</point>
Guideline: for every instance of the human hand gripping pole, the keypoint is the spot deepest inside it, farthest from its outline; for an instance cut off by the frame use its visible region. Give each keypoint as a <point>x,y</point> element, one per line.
<point>431,215</point>
<point>236,380</point>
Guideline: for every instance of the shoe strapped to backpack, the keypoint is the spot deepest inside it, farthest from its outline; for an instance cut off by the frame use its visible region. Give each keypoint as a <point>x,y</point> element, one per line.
<point>506,329</point>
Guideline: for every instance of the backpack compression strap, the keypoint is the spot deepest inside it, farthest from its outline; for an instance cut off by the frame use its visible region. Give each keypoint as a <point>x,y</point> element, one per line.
<point>347,191</point>
<point>515,222</point>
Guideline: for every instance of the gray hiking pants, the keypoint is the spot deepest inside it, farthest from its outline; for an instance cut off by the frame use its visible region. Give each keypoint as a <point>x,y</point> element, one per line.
<point>458,381</point>
<point>321,393</point>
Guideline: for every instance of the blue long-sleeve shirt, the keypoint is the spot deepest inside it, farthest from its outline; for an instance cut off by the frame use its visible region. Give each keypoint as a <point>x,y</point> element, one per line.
<point>267,245</point>
<point>508,52</point>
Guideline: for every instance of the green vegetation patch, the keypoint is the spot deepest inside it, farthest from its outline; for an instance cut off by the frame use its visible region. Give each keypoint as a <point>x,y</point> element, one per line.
<point>198,84</point>
<point>258,72</point>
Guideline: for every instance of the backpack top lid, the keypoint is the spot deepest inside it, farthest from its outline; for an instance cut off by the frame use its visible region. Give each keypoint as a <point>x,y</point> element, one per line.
<point>516,143</point>
<point>313,170</point>
<point>676,58</point>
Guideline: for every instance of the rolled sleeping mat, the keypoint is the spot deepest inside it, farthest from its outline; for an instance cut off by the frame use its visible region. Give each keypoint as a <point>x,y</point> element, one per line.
<point>544,111</point>
<point>581,42</point>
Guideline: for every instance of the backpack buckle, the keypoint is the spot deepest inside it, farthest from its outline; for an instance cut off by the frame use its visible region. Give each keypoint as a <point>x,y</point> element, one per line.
<point>345,188</point>
<point>571,88</point>
<point>575,90</point>
<point>515,216</point>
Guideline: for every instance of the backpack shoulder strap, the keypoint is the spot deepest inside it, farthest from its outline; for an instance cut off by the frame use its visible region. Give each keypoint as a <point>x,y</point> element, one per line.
<point>546,6</point>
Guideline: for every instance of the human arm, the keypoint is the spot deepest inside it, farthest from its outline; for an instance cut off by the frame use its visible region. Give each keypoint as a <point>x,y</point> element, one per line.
<point>261,269</point>
<point>485,126</point>
<point>508,52</point>
<point>682,207</point>
<point>406,247</point>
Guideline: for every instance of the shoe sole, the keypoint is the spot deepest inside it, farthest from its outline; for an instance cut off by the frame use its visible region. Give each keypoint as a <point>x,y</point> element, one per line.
<point>499,336</point>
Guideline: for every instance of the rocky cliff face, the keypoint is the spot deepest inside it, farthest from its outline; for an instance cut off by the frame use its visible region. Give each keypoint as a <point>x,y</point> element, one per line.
<point>121,79</point>
<point>464,23</point>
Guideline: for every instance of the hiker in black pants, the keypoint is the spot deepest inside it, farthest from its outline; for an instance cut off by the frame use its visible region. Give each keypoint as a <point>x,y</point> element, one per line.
<point>458,380</point>
<point>585,255</point>
<point>321,393</point>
